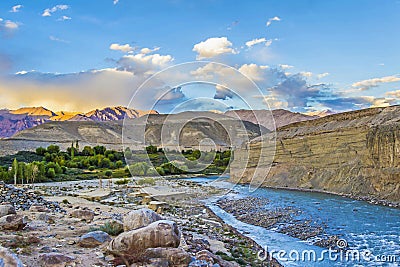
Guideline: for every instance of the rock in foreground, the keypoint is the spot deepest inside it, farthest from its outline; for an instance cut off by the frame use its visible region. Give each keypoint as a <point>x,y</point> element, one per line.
<point>162,233</point>
<point>140,218</point>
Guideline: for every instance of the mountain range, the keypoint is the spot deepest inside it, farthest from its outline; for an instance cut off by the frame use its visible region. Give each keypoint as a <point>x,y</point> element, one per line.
<point>14,121</point>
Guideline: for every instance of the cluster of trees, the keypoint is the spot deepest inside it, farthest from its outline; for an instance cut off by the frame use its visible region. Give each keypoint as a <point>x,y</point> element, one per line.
<point>55,162</point>
<point>89,158</point>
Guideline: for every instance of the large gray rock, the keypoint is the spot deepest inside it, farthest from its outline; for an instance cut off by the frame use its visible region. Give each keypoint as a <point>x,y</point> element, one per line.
<point>140,218</point>
<point>12,222</point>
<point>9,259</point>
<point>6,209</point>
<point>55,259</point>
<point>93,239</point>
<point>176,257</point>
<point>161,233</point>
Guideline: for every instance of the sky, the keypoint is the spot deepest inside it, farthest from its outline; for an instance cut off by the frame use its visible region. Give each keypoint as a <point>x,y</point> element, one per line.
<point>302,55</point>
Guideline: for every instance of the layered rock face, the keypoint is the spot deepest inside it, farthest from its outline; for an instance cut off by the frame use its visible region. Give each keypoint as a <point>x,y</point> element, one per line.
<point>354,153</point>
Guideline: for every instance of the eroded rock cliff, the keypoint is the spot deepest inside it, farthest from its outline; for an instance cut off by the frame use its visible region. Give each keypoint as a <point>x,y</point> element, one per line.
<point>354,153</point>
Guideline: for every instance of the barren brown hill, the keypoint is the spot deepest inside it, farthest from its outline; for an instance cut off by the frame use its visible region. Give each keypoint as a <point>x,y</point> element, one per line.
<point>223,130</point>
<point>354,153</point>
<point>263,117</point>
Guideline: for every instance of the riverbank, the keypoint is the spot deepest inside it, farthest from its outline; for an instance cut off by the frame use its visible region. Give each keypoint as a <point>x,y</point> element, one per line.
<point>368,199</point>
<point>86,207</point>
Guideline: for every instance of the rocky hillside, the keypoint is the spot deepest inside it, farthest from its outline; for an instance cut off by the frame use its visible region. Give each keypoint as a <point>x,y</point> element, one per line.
<point>109,133</point>
<point>14,121</point>
<point>281,117</point>
<point>354,153</point>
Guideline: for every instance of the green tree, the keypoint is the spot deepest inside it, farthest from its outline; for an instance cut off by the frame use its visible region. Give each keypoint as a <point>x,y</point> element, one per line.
<point>151,149</point>
<point>51,173</point>
<point>87,151</point>
<point>108,173</point>
<point>99,150</point>
<point>41,151</point>
<point>53,149</point>
<point>14,170</point>
<point>119,164</point>
<point>128,153</point>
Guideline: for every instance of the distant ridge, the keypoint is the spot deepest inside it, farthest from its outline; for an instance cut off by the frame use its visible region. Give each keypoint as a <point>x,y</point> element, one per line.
<point>281,117</point>
<point>14,121</point>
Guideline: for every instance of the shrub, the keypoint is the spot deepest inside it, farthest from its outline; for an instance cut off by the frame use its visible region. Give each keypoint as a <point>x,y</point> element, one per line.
<point>108,173</point>
<point>146,181</point>
<point>112,228</point>
<point>92,168</point>
<point>122,181</point>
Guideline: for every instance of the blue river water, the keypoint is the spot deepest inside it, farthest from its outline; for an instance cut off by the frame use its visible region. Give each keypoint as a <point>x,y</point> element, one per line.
<point>371,232</point>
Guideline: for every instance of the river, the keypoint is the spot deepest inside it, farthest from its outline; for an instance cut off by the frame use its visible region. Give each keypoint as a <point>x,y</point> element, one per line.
<point>372,232</point>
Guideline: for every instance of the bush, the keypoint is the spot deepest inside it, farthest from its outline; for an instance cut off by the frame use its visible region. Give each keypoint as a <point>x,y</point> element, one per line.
<point>108,173</point>
<point>91,168</point>
<point>122,181</point>
<point>112,228</point>
<point>51,173</point>
<point>146,181</point>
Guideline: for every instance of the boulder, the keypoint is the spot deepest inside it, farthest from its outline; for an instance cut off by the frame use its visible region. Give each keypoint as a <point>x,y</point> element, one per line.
<point>54,259</point>
<point>207,256</point>
<point>161,233</point>
<point>140,218</point>
<point>175,256</point>
<point>9,259</point>
<point>6,209</point>
<point>38,208</point>
<point>93,239</point>
<point>84,214</point>
<point>12,222</point>
<point>153,263</point>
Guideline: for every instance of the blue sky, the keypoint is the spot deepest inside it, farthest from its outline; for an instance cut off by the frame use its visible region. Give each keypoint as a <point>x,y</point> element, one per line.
<point>338,55</point>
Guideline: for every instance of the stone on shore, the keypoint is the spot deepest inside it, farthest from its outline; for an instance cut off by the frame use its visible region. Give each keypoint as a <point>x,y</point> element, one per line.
<point>93,239</point>
<point>209,257</point>
<point>12,222</point>
<point>161,233</point>
<point>55,259</point>
<point>84,214</point>
<point>6,209</point>
<point>175,256</point>
<point>7,258</point>
<point>140,218</point>
<point>38,208</point>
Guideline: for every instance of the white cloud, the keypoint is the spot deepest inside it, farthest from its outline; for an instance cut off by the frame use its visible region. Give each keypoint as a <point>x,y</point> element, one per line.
<point>253,71</point>
<point>115,2</point>
<point>148,50</point>
<point>55,39</point>
<point>63,18</point>
<point>8,25</point>
<point>395,94</point>
<point>124,48</point>
<point>16,8</point>
<point>141,63</point>
<point>255,41</point>
<point>322,75</point>
<point>272,19</point>
<point>48,11</point>
<point>367,84</point>
<point>285,66</point>
<point>213,47</point>
<point>379,101</point>
<point>306,74</point>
